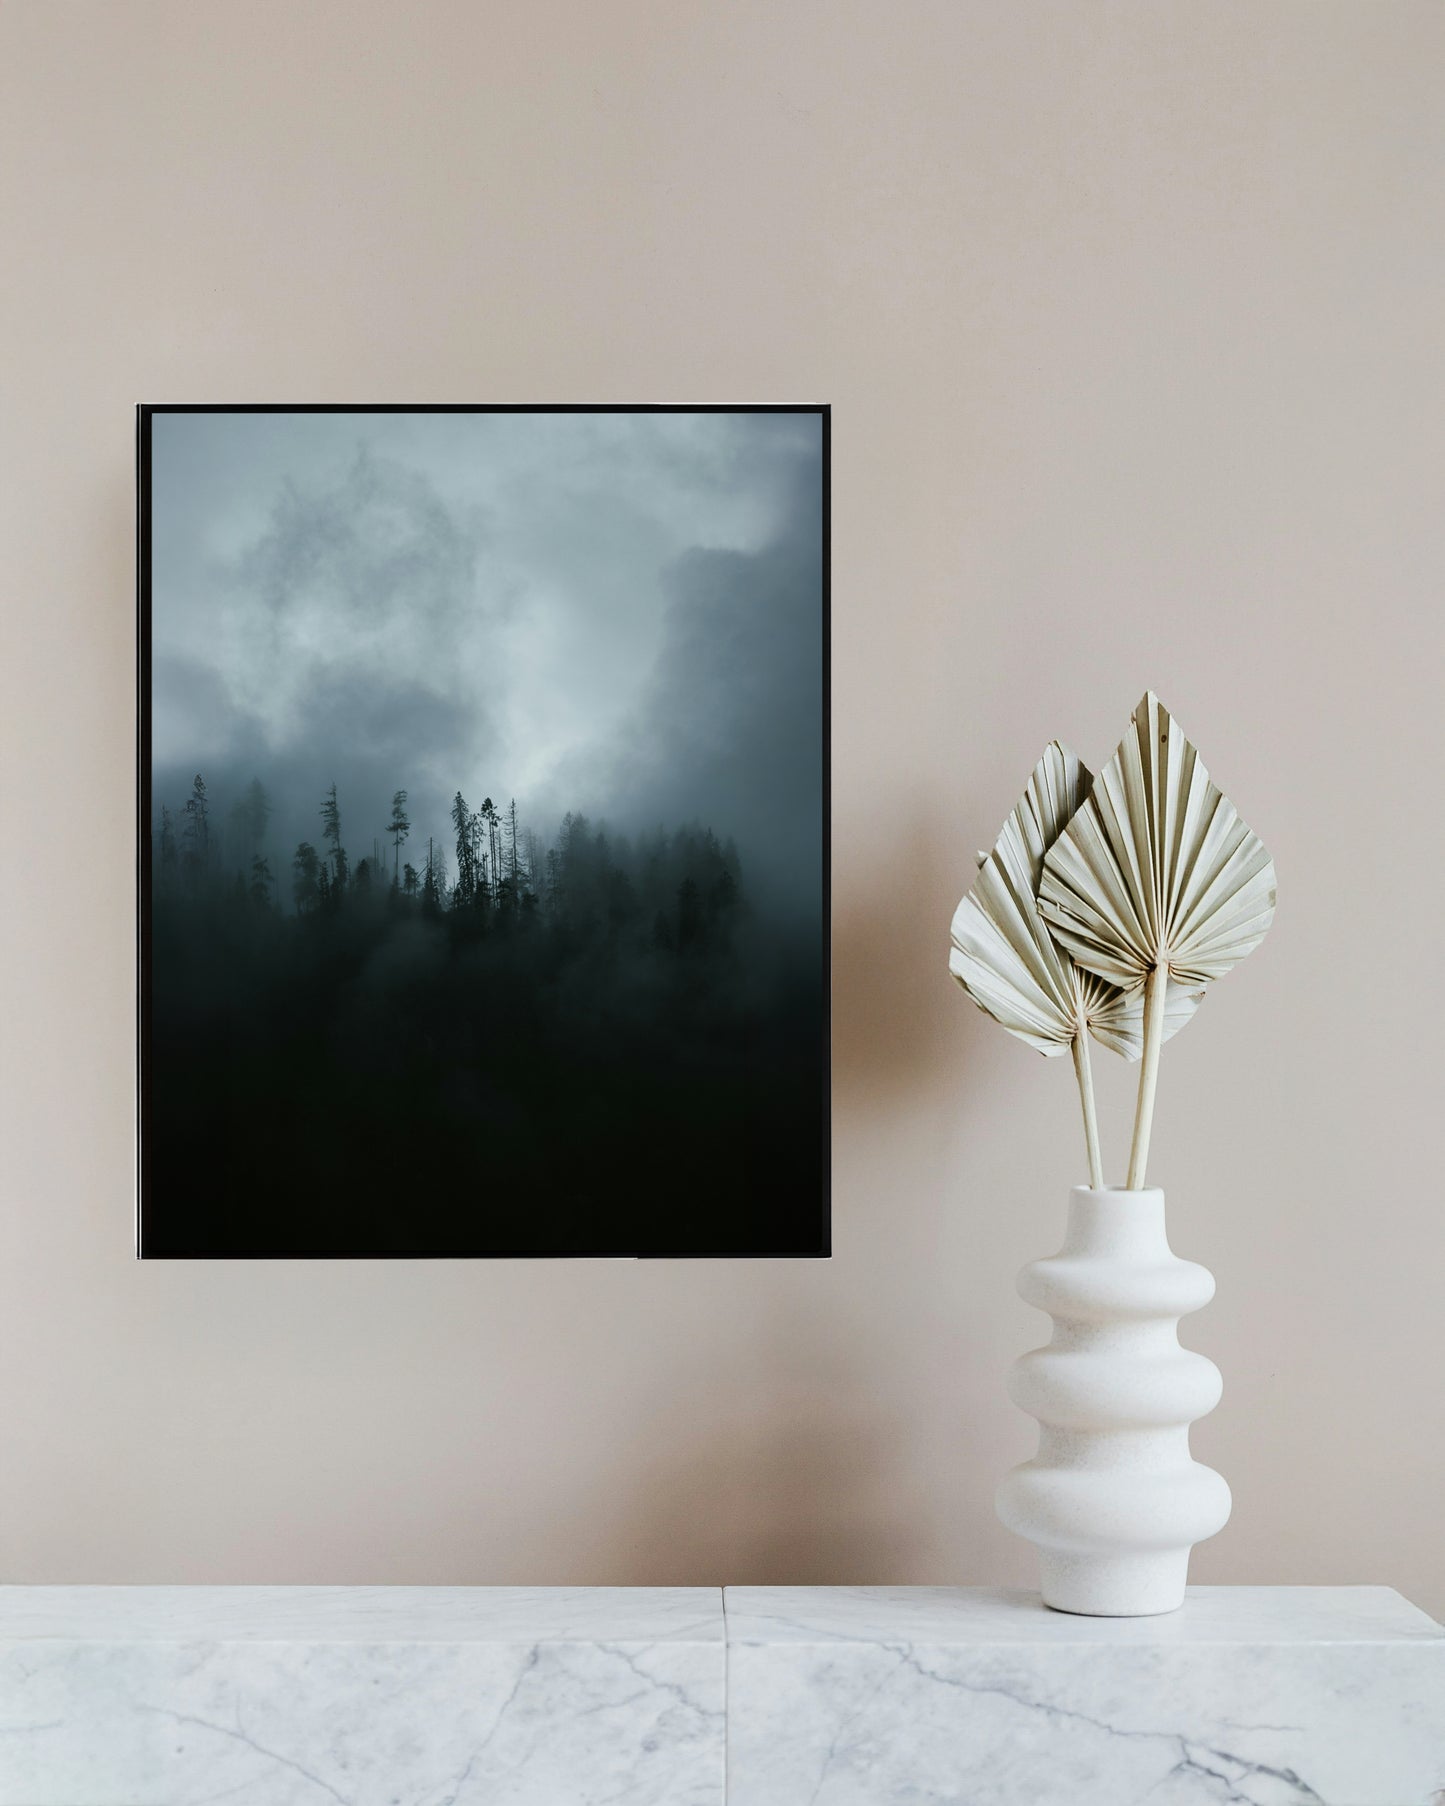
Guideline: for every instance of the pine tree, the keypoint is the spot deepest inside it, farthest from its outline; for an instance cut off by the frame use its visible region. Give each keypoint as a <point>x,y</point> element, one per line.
<point>261,882</point>
<point>399,829</point>
<point>492,824</point>
<point>476,828</point>
<point>514,850</point>
<point>430,890</point>
<point>306,869</point>
<point>198,828</point>
<point>466,865</point>
<point>331,830</point>
<point>722,895</point>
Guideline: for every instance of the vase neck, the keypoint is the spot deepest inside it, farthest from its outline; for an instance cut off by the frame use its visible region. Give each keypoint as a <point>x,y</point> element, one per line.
<point>1114,1223</point>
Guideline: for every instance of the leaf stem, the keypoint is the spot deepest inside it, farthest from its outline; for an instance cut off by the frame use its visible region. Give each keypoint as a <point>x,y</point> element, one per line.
<point>1154,990</point>
<point>1085,1075</point>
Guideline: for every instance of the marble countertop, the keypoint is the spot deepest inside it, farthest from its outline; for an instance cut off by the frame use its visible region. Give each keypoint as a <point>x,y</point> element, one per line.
<point>361,1696</point>
<point>701,1696</point>
<point>964,1696</point>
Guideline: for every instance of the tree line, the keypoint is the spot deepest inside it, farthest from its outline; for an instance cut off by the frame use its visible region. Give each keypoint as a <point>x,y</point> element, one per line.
<point>679,889</point>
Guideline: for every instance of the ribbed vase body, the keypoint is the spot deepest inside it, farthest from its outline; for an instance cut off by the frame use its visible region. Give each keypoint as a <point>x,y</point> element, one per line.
<point>1113,1500</point>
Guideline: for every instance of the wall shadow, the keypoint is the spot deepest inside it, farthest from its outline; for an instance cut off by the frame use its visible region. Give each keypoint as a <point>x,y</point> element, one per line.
<point>798,1486</point>
<point>895,1009</point>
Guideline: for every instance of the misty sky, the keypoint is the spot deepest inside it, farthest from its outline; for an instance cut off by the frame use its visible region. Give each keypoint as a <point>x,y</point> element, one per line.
<point>617,613</point>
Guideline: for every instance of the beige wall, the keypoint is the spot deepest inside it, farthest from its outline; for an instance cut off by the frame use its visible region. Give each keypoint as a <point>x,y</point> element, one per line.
<point>1130,316</point>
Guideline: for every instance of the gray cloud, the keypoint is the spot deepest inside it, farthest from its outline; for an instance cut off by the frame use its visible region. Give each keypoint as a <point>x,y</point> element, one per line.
<point>730,728</point>
<point>620,613</point>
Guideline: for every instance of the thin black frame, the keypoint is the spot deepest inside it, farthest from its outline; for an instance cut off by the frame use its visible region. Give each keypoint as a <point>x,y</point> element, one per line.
<point>145,412</point>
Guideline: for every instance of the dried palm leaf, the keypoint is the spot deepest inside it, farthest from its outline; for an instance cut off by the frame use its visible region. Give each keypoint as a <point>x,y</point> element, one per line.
<point>1154,880</point>
<point>1006,959</point>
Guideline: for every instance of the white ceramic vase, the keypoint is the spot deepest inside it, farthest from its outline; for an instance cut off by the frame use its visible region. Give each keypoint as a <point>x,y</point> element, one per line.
<point>1113,1499</point>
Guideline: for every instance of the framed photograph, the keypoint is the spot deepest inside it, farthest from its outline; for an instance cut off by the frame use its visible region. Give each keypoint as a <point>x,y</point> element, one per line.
<point>483,850</point>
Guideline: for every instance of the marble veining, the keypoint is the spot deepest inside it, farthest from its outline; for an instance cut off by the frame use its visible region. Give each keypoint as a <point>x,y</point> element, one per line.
<point>927,1696</point>
<point>361,1697</point>
<point>849,1696</point>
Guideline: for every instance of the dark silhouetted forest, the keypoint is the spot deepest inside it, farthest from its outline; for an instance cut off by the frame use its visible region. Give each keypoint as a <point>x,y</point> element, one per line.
<point>473,1040</point>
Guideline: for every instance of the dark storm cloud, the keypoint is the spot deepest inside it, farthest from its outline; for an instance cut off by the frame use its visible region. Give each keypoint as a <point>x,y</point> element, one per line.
<point>729,731</point>
<point>614,613</point>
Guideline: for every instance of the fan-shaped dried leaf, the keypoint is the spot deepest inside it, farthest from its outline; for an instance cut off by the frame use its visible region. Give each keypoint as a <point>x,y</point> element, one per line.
<point>1119,1021</point>
<point>1157,867</point>
<point>1003,953</point>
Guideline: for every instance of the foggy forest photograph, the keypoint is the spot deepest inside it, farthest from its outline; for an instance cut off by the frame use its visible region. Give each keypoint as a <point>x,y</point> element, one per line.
<point>483,863</point>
